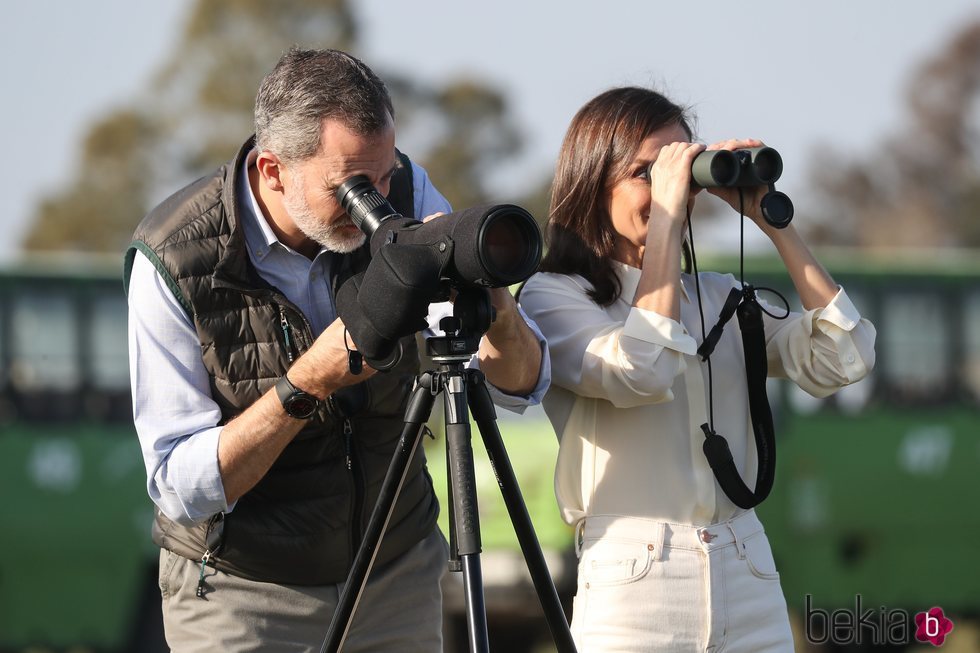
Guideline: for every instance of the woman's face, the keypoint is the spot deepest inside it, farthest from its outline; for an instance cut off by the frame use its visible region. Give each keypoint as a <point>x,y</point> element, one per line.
<point>628,199</point>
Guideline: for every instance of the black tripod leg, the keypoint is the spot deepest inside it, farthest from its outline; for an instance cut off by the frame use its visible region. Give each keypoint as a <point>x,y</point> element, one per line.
<point>417,413</point>
<point>483,413</point>
<point>455,564</point>
<point>462,479</point>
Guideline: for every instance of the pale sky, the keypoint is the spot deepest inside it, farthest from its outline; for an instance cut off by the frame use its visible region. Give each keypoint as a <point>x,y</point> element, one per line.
<point>796,75</point>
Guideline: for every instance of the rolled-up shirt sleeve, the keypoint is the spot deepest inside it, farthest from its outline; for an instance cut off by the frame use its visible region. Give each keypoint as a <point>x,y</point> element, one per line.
<point>176,419</point>
<point>628,363</point>
<point>822,349</point>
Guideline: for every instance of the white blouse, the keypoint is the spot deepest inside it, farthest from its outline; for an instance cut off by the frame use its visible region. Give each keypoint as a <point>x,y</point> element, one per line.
<point>629,394</point>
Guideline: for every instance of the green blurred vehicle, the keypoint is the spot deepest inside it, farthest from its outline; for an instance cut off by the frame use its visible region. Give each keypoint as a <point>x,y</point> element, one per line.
<point>77,566</point>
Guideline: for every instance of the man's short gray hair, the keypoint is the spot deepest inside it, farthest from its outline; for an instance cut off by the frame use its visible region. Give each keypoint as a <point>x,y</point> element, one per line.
<point>308,86</point>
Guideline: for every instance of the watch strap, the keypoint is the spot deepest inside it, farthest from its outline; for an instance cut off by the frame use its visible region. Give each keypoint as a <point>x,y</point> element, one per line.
<point>288,394</point>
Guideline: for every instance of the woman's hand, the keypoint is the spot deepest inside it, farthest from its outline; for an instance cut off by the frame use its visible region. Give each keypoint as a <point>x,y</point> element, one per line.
<point>752,196</point>
<point>670,199</point>
<point>670,182</point>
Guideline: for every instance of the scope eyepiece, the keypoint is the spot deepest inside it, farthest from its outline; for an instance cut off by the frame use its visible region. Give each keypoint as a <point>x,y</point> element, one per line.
<point>366,207</point>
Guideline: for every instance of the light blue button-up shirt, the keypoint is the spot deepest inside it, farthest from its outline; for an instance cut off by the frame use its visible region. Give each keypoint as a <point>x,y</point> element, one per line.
<point>175,416</point>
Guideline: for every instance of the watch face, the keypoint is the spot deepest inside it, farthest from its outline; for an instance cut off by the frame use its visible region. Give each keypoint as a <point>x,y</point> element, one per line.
<point>301,406</point>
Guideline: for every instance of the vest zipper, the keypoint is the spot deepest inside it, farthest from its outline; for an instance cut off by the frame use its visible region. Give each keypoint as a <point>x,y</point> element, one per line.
<point>357,480</point>
<point>284,323</point>
<point>213,539</point>
<point>348,444</point>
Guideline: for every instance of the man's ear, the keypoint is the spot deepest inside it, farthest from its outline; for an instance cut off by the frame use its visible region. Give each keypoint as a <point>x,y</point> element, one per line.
<point>270,170</point>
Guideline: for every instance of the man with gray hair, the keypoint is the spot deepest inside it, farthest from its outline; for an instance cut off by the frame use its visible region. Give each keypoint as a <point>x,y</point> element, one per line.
<point>264,452</point>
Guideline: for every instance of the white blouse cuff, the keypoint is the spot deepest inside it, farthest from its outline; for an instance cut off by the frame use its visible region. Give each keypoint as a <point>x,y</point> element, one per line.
<point>840,312</point>
<point>654,328</point>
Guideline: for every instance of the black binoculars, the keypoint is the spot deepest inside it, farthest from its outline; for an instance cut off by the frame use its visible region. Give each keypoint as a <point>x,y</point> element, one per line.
<point>756,166</point>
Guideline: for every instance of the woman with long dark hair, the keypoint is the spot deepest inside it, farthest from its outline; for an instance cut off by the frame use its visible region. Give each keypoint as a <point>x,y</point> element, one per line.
<point>667,561</point>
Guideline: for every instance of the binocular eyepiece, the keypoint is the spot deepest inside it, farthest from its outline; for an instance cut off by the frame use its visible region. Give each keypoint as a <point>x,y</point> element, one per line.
<point>756,166</point>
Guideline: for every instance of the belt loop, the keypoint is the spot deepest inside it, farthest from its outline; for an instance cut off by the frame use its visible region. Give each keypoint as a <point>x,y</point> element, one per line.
<point>739,545</point>
<point>659,541</point>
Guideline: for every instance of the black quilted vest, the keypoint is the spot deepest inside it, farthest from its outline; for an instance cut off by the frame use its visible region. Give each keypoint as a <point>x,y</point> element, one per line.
<point>301,524</point>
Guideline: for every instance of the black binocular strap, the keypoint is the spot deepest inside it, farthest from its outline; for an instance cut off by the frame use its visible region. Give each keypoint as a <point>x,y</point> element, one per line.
<point>716,449</point>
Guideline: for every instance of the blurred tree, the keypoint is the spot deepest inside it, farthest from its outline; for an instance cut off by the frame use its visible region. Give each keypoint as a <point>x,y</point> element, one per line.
<point>198,110</point>
<point>921,187</point>
<point>98,208</point>
<point>475,135</point>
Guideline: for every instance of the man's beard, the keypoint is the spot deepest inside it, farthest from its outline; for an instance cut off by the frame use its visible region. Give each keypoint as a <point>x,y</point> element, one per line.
<point>335,236</point>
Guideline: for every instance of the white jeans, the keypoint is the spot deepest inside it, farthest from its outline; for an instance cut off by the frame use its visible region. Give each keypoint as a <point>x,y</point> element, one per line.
<point>654,586</point>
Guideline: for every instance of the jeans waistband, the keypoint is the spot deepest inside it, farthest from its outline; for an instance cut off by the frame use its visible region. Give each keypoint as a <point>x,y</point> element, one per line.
<point>660,534</point>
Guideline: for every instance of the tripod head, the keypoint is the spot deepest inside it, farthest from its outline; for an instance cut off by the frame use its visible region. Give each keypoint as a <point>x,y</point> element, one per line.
<point>472,316</point>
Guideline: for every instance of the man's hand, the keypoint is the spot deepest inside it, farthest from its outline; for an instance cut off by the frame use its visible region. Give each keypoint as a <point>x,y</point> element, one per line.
<point>323,369</point>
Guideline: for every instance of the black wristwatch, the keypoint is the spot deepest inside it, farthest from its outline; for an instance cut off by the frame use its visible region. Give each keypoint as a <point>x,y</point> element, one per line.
<point>298,404</point>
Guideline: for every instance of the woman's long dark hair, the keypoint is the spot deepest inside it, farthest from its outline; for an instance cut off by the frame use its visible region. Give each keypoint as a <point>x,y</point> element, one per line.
<point>598,149</point>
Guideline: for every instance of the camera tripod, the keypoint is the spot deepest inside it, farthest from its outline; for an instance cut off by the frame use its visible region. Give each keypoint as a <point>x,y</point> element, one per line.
<point>462,389</point>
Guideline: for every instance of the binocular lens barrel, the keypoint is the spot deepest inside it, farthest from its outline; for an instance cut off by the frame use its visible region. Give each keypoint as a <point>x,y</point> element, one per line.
<point>713,168</point>
<point>758,166</point>
<point>767,164</point>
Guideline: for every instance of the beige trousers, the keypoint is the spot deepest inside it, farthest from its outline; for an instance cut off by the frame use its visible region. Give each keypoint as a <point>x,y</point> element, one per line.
<point>400,610</point>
